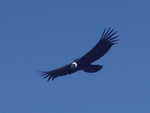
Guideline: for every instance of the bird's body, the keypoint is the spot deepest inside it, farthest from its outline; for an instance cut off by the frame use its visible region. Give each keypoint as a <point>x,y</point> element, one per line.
<point>85,63</point>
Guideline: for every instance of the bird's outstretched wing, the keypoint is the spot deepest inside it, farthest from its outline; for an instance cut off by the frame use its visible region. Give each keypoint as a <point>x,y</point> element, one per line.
<point>51,75</point>
<point>108,38</point>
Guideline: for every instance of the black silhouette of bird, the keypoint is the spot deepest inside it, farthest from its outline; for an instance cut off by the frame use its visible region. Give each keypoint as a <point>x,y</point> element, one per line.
<point>84,63</point>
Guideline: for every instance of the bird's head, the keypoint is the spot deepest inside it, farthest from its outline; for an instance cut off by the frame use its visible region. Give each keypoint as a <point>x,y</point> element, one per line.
<point>74,65</point>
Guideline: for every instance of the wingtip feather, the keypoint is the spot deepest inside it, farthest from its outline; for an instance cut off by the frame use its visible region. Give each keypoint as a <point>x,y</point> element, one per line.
<point>46,75</point>
<point>110,35</point>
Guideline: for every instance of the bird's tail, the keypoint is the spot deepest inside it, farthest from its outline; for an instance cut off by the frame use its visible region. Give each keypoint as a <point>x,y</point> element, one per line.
<point>92,68</point>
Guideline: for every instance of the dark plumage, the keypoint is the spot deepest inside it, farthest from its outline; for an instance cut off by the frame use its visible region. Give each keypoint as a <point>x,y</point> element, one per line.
<point>108,38</point>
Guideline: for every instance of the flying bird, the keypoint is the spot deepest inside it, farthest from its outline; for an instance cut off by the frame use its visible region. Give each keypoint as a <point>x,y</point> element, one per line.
<point>108,38</point>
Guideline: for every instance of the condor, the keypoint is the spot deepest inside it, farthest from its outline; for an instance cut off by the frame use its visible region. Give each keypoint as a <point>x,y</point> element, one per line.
<point>85,63</point>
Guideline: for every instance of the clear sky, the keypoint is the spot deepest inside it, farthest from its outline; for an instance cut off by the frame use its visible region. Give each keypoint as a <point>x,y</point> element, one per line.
<point>45,34</point>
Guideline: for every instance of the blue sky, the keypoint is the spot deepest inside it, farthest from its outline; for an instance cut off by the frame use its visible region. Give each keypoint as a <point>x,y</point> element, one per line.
<point>45,34</point>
